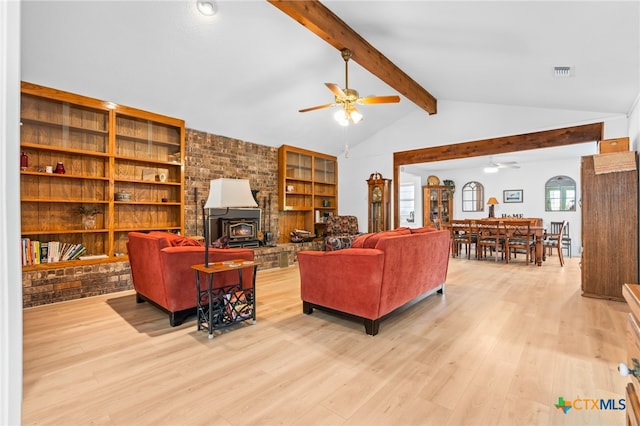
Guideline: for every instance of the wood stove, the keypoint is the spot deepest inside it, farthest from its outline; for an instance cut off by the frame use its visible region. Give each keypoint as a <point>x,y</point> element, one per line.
<point>240,225</point>
<point>240,231</point>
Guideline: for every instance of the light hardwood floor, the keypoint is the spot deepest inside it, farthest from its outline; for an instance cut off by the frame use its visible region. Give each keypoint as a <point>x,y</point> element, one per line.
<point>500,347</point>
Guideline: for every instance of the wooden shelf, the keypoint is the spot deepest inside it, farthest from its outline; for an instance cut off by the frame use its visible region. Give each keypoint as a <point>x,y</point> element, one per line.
<point>33,121</point>
<point>63,149</point>
<point>63,176</point>
<point>148,160</point>
<point>145,140</point>
<point>62,200</point>
<point>105,149</point>
<point>66,231</point>
<point>305,179</point>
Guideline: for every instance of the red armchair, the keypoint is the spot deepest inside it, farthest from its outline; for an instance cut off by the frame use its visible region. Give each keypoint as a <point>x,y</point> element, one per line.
<point>161,271</point>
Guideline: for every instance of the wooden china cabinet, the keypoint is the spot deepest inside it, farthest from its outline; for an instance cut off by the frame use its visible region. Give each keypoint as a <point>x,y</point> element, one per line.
<point>80,153</point>
<point>437,205</point>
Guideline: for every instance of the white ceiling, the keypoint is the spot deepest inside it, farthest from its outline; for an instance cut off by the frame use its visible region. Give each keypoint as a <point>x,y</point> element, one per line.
<point>245,72</point>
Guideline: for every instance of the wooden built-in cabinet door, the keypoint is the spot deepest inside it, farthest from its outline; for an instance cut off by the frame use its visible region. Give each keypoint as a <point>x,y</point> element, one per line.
<point>609,230</point>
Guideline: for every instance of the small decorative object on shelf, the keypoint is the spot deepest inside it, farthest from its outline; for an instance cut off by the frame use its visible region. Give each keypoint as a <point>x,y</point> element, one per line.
<point>433,180</point>
<point>451,184</point>
<point>60,168</point>
<point>88,216</point>
<point>24,161</point>
<point>122,196</point>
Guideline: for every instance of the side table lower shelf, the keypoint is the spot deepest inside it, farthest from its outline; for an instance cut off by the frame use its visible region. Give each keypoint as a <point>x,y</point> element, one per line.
<point>219,307</point>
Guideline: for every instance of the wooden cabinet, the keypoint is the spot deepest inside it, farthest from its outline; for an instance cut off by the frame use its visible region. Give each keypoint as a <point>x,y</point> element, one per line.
<point>308,190</point>
<point>437,205</point>
<point>613,145</point>
<point>123,162</point>
<point>609,230</point>
<point>379,203</point>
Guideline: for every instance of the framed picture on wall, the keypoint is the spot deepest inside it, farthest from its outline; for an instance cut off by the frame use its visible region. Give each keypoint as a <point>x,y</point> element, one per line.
<point>512,196</point>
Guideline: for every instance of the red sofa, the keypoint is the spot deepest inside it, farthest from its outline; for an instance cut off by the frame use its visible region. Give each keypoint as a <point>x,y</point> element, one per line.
<point>161,271</point>
<point>379,273</point>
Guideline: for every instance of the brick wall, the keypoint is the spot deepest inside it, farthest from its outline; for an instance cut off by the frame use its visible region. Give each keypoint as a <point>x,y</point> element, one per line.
<point>45,286</point>
<point>210,156</point>
<point>207,157</point>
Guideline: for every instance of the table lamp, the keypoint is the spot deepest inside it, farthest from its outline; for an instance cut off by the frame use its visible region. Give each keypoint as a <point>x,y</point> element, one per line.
<point>225,193</point>
<point>492,202</point>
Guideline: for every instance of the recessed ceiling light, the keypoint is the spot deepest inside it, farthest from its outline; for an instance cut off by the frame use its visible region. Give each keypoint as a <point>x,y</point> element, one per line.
<point>562,71</point>
<point>206,7</point>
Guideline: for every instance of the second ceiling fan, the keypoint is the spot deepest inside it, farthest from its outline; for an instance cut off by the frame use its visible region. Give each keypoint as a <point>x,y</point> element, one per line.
<point>348,98</point>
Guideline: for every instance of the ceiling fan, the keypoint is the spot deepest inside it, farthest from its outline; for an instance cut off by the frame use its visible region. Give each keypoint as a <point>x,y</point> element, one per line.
<point>494,166</point>
<point>347,98</point>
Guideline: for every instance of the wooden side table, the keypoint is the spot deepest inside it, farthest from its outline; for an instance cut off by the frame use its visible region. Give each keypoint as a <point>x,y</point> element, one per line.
<point>219,307</point>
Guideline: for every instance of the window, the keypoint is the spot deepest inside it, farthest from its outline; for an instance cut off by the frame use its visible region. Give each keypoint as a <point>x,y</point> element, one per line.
<point>472,197</point>
<point>560,194</point>
<point>407,202</point>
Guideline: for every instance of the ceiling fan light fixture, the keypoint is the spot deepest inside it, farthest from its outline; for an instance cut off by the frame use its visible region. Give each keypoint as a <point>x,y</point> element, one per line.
<point>342,117</point>
<point>355,116</point>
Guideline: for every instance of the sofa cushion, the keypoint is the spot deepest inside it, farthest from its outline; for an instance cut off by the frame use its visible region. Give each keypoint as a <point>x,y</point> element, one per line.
<point>359,241</point>
<point>371,240</point>
<point>422,230</point>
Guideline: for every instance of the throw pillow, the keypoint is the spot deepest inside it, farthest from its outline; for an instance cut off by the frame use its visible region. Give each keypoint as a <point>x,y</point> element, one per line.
<point>338,243</point>
<point>185,241</point>
<point>221,243</point>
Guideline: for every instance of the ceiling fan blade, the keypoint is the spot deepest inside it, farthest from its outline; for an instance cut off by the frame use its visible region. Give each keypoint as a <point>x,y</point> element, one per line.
<point>379,100</point>
<point>316,107</point>
<point>336,90</point>
<point>508,165</point>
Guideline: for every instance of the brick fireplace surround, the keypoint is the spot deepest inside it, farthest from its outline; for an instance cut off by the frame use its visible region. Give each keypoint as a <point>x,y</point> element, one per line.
<point>207,157</point>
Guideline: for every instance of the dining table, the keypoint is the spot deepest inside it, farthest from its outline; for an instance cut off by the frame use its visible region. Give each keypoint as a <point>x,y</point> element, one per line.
<point>536,226</point>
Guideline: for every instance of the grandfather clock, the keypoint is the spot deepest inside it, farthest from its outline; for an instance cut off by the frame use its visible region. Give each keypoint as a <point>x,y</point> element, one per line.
<point>379,203</point>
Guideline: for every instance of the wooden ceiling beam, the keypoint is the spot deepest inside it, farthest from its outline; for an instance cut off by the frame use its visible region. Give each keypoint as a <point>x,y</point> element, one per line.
<point>329,27</point>
<point>524,142</point>
<point>536,140</point>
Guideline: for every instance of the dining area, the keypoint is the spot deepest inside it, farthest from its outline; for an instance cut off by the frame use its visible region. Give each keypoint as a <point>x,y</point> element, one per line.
<point>507,239</point>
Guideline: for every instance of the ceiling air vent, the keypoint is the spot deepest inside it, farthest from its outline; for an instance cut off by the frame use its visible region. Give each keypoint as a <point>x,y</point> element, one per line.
<point>562,71</point>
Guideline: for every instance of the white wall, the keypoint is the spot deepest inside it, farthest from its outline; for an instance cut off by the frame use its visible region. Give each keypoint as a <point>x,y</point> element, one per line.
<point>531,179</point>
<point>456,122</point>
<point>10,270</point>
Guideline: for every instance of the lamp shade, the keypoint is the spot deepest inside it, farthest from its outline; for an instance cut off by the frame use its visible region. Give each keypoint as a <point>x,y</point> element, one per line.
<point>492,201</point>
<point>225,193</point>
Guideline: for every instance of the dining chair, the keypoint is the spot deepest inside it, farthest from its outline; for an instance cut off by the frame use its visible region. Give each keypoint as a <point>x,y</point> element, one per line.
<point>554,240</point>
<point>566,239</point>
<point>463,233</point>
<point>554,230</point>
<point>458,229</point>
<point>490,236</point>
<point>519,236</point>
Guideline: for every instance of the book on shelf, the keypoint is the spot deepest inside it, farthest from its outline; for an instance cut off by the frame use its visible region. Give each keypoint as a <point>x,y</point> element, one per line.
<point>35,252</point>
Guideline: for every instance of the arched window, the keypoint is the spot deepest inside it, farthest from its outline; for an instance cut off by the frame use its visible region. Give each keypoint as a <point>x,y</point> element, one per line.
<point>473,197</point>
<point>560,194</point>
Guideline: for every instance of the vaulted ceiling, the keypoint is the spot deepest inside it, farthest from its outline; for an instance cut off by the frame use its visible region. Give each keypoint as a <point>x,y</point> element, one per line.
<point>245,72</point>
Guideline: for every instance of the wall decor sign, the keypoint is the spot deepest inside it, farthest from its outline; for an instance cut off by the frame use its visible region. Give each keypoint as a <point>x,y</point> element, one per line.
<point>512,196</point>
